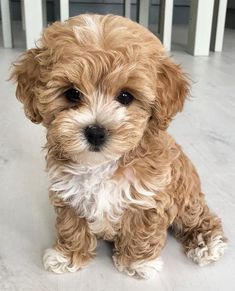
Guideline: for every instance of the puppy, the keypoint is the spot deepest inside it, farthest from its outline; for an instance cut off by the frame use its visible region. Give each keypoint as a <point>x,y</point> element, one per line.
<point>106,91</point>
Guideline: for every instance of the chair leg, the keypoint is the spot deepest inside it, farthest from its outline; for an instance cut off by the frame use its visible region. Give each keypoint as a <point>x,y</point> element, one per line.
<point>166,17</point>
<point>127,8</point>
<point>200,24</point>
<point>44,13</point>
<point>22,14</point>
<point>144,12</point>
<point>33,21</point>
<point>64,10</point>
<point>218,24</point>
<point>6,23</point>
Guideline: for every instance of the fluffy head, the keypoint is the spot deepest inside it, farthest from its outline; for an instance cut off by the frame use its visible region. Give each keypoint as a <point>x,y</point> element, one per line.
<point>99,57</point>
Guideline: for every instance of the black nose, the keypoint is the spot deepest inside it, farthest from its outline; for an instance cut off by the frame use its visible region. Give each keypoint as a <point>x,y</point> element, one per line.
<point>95,134</point>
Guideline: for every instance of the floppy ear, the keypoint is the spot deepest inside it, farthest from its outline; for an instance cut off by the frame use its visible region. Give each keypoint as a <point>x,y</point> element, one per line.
<point>26,73</point>
<point>172,90</point>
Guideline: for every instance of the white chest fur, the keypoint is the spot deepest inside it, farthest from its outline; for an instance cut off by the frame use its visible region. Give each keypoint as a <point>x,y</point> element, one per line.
<point>93,192</point>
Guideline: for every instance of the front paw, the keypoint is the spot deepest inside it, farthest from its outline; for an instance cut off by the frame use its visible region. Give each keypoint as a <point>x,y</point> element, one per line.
<point>57,262</point>
<point>144,269</point>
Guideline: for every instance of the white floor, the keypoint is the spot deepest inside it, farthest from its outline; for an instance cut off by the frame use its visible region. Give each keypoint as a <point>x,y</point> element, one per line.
<point>206,130</point>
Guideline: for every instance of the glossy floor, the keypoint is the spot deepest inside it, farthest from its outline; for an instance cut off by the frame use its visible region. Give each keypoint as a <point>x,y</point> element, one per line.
<point>206,131</point>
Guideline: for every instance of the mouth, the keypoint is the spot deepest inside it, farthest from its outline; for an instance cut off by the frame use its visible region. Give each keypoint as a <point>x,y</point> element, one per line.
<point>95,149</point>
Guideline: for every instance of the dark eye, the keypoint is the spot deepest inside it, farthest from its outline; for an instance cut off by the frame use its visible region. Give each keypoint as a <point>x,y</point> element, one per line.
<point>72,95</point>
<point>125,98</point>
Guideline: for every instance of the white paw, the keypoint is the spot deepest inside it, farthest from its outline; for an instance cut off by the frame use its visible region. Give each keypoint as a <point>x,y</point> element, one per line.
<point>141,269</point>
<point>205,254</point>
<point>56,262</point>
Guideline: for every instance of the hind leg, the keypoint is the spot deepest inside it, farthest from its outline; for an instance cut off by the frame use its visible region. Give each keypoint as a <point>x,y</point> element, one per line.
<point>200,232</point>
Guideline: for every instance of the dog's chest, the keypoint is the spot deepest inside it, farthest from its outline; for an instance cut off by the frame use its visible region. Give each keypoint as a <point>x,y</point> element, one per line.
<point>94,194</point>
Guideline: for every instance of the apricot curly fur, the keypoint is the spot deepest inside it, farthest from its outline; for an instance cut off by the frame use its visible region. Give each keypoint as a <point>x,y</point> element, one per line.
<point>152,184</point>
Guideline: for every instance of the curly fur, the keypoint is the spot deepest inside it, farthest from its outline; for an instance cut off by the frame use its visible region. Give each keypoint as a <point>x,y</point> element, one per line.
<point>140,183</point>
